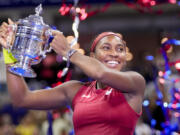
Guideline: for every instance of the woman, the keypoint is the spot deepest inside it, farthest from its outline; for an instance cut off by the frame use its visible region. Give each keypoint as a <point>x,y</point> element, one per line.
<point>110,105</point>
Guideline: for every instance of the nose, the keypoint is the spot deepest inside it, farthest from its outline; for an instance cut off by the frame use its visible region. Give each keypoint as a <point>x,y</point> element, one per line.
<point>113,53</point>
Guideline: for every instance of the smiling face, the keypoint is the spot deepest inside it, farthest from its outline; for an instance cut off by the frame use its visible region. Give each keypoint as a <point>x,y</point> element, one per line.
<point>110,50</point>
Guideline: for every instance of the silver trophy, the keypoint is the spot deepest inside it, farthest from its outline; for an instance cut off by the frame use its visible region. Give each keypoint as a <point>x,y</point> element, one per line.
<point>31,43</point>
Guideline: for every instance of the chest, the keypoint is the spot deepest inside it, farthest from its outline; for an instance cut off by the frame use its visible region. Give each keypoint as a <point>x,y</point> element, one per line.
<point>101,108</point>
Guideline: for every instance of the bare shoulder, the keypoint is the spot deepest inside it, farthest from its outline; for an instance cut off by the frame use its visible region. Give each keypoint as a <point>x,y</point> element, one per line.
<point>70,88</point>
<point>70,85</point>
<point>138,80</point>
<point>73,83</point>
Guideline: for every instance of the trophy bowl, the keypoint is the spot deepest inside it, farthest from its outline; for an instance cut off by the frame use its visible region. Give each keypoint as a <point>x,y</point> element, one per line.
<point>31,43</point>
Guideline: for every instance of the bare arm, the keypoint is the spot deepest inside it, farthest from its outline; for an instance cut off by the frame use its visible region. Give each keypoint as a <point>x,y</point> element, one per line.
<point>128,82</point>
<point>21,96</point>
<point>53,98</point>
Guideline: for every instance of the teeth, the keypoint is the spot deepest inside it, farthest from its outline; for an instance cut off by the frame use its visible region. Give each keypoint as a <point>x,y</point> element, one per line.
<point>112,62</point>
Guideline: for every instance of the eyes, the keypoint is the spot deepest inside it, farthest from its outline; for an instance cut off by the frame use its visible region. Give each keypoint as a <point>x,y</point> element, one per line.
<point>105,47</point>
<point>118,48</point>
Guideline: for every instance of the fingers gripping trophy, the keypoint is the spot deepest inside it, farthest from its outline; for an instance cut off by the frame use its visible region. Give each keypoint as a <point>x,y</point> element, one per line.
<point>30,44</point>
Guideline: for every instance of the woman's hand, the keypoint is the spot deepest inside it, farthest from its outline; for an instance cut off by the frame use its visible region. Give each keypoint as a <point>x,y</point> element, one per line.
<point>6,34</point>
<point>59,43</point>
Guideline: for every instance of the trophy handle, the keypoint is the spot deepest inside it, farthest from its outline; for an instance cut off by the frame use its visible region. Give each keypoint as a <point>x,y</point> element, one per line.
<point>51,37</point>
<point>11,30</point>
<point>47,48</point>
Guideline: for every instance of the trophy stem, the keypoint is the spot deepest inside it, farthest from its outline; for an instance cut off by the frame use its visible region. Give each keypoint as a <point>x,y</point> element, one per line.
<point>23,68</point>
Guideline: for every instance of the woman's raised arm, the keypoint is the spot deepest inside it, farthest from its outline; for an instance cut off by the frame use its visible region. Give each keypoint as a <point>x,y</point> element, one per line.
<point>21,96</point>
<point>52,98</point>
<point>105,64</point>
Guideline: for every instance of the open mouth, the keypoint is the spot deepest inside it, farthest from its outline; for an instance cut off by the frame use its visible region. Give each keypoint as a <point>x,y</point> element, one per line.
<point>112,63</point>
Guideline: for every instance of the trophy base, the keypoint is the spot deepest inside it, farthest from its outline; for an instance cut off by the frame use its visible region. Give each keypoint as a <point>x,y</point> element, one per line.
<point>22,72</point>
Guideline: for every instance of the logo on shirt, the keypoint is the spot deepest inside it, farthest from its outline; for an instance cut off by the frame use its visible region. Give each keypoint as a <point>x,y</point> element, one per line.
<point>86,96</point>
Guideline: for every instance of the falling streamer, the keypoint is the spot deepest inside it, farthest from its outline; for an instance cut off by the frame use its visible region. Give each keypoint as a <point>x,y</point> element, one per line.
<point>76,33</point>
<point>75,30</point>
